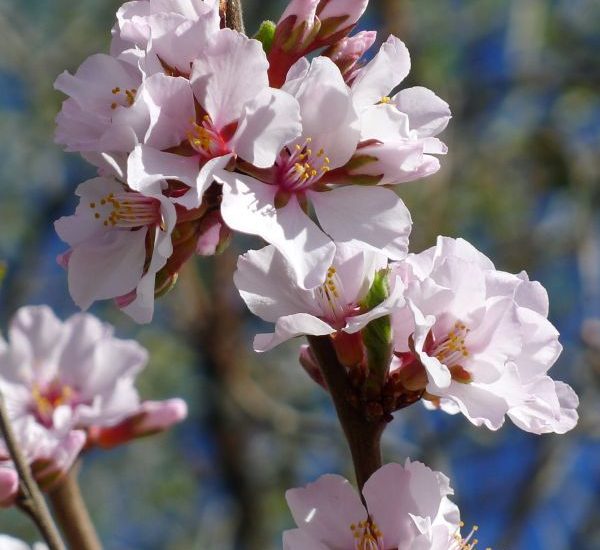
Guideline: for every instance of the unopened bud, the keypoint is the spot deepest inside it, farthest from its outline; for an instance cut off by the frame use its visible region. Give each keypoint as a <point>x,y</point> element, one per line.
<point>151,418</point>
<point>346,52</point>
<point>214,236</point>
<point>9,486</point>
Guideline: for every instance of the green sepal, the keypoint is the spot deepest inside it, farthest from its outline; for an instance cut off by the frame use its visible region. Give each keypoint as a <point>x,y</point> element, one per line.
<point>266,34</point>
<point>377,335</point>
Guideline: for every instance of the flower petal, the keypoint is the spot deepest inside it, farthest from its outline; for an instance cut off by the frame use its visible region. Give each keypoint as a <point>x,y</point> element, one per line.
<point>365,216</point>
<point>248,206</point>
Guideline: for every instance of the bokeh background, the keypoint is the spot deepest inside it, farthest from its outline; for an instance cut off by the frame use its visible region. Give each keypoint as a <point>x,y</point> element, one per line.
<point>521,181</point>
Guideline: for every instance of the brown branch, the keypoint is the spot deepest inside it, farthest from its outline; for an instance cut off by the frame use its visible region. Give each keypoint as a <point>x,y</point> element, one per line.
<point>72,515</point>
<point>31,500</point>
<point>363,435</point>
<point>233,15</point>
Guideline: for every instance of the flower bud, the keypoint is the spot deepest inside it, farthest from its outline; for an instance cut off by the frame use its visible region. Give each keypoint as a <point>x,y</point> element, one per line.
<point>9,486</point>
<point>153,417</point>
<point>346,52</point>
<point>214,235</point>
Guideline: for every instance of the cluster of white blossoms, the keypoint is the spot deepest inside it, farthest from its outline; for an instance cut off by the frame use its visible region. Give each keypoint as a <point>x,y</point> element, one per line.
<point>199,132</point>
<point>69,386</point>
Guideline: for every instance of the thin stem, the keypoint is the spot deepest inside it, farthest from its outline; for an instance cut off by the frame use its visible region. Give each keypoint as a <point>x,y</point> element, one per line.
<point>363,435</point>
<point>31,500</point>
<point>234,16</point>
<point>72,515</point>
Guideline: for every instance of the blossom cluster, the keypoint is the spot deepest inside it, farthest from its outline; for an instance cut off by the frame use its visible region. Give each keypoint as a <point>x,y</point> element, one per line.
<point>68,387</point>
<point>300,138</point>
<point>197,131</point>
<point>462,336</point>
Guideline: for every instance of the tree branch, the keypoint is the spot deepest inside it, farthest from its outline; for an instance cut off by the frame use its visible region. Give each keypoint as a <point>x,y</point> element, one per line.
<point>72,515</point>
<point>31,500</point>
<point>363,435</point>
<point>234,16</point>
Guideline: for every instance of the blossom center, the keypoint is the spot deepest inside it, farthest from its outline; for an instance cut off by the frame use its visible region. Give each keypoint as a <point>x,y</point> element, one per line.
<point>123,98</point>
<point>49,398</point>
<point>330,297</point>
<point>452,352</point>
<point>367,535</point>
<point>300,167</point>
<point>126,210</point>
<point>467,543</point>
<point>206,139</point>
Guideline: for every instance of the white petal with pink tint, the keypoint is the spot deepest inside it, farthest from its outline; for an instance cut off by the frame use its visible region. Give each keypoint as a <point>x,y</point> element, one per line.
<point>371,217</point>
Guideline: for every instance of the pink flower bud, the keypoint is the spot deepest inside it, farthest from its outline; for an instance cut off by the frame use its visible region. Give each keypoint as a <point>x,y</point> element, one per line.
<point>346,52</point>
<point>152,417</point>
<point>161,415</point>
<point>214,235</point>
<point>351,10</point>
<point>9,486</point>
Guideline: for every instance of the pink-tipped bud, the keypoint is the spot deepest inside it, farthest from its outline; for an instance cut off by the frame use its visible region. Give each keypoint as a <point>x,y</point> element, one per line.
<point>9,486</point>
<point>152,417</point>
<point>214,235</point>
<point>311,366</point>
<point>158,416</point>
<point>345,53</point>
<point>348,11</point>
<point>306,26</point>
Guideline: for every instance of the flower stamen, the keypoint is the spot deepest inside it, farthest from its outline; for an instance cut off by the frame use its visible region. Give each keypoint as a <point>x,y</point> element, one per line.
<point>127,210</point>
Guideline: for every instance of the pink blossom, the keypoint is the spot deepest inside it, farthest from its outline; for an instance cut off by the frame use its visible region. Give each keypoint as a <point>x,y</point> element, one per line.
<point>268,285</point>
<point>119,240</point>
<point>407,508</point>
<point>101,112</point>
<point>64,384</point>
<point>273,203</point>
<point>397,133</point>
<point>483,338</point>
<point>159,33</point>
<point>241,116</point>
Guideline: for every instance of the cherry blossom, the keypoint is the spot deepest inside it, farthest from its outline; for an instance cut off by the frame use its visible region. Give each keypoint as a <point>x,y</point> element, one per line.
<point>101,113</point>
<point>63,381</point>
<point>268,285</point>
<point>405,507</point>
<point>483,339</point>
<point>273,203</point>
<point>241,116</point>
<point>164,35</point>
<point>397,133</point>
<point>119,240</point>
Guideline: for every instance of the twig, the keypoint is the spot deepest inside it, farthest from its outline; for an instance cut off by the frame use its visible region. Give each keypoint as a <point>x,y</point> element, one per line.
<point>234,16</point>
<point>72,515</point>
<point>31,500</point>
<point>363,435</point>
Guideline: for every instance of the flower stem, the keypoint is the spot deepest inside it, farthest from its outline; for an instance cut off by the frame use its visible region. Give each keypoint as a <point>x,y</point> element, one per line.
<point>72,515</point>
<point>234,16</point>
<point>363,435</point>
<point>30,500</point>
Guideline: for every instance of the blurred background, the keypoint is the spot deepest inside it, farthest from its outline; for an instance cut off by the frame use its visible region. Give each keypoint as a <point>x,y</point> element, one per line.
<point>521,181</point>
